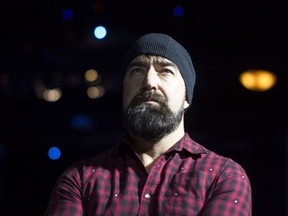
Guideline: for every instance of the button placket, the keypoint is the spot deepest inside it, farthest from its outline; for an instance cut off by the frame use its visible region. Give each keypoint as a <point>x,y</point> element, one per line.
<point>151,183</point>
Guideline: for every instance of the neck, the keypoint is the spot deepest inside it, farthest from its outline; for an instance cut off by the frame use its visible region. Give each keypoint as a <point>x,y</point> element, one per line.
<point>148,151</point>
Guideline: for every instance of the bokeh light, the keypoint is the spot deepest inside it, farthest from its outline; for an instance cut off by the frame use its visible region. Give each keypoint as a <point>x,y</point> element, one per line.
<point>94,92</point>
<point>178,11</point>
<point>67,14</point>
<point>52,95</point>
<point>54,153</point>
<point>91,75</point>
<point>100,32</point>
<point>81,122</point>
<point>258,80</point>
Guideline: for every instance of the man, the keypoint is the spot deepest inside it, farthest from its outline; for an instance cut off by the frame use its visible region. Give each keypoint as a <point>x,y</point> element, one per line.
<point>157,169</point>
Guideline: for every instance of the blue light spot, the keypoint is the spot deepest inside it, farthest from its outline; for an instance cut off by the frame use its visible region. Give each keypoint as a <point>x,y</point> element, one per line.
<point>54,153</point>
<point>178,10</point>
<point>67,14</point>
<point>100,32</point>
<point>81,122</point>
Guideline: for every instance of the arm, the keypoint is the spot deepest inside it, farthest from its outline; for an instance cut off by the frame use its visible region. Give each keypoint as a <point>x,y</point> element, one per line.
<point>231,194</point>
<point>66,198</point>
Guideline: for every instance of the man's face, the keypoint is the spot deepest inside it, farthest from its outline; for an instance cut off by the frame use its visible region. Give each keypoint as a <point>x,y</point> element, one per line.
<point>158,75</point>
<point>153,97</point>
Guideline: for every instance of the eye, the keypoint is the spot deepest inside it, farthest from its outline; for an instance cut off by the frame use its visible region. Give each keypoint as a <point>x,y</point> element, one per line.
<point>167,71</point>
<point>137,70</point>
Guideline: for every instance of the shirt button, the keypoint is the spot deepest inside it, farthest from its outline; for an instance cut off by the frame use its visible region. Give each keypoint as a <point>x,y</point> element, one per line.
<point>147,196</point>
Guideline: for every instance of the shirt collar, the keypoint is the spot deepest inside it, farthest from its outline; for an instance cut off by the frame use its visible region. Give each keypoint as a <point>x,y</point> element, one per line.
<point>185,144</point>
<point>189,145</point>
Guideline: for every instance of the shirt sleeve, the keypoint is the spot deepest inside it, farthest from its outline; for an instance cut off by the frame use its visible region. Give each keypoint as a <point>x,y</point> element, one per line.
<point>66,198</point>
<point>231,194</point>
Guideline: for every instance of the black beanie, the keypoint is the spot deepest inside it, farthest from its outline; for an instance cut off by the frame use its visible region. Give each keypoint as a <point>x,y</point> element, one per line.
<point>165,46</point>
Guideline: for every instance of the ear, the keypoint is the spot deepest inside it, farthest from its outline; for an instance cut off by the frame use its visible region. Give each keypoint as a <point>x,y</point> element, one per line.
<point>186,105</point>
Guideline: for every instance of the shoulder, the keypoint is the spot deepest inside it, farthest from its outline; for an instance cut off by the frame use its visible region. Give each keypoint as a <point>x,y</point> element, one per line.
<point>218,167</point>
<point>227,188</point>
<point>224,165</point>
<point>211,161</point>
<point>227,176</point>
<point>221,165</point>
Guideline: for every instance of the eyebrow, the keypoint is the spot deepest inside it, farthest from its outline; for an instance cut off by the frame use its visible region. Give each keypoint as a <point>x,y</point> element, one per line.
<point>138,63</point>
<point>164,62</point>
<point>144,62</point>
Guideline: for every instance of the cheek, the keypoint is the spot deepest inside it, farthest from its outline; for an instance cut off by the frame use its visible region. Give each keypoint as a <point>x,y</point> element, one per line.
<point>177,97</point>
<point>128,94</point>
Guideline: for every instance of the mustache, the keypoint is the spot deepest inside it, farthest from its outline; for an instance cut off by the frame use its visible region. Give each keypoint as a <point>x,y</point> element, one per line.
<point>148,95</point>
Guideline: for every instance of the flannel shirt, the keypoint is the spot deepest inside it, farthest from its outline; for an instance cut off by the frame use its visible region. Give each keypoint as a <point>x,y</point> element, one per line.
<point>187,180</point>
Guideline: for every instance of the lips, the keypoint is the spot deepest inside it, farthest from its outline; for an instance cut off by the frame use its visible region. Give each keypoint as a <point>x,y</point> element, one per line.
<point>150,99</point>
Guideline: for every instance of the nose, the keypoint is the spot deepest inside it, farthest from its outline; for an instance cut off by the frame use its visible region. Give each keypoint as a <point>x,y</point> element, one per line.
<point>150,81</point>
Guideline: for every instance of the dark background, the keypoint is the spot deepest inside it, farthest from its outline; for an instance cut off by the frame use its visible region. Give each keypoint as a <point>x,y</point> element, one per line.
<point>224,38</point>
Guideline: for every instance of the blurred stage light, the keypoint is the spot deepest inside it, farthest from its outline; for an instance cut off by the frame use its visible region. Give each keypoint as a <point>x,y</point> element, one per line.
<point>81,122</point>
<point>52,95</point>
<point>94,92</point>
<point>258,80</point>
<point>67,14</point>
<point>100,32</point>
<point>91,75</point>
<point>178,10</point>
<point>54,153</point>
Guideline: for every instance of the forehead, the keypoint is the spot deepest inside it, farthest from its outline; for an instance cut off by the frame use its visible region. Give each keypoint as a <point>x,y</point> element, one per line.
<point>147,59</point>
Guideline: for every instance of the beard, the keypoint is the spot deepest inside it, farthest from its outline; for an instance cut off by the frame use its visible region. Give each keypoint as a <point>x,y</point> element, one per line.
<point>149,121</point>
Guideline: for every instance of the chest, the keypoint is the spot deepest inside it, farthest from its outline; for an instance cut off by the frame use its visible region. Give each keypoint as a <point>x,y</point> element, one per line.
<point>170,188</point>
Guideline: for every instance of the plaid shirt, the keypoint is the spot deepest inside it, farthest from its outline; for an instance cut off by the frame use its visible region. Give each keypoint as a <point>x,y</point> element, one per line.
<point>187,180</point>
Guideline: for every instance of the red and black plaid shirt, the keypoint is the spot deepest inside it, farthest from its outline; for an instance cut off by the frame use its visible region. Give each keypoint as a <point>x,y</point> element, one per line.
<point>187,180</point>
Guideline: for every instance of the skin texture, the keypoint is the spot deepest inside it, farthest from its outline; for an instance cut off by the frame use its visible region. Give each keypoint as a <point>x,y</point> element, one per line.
<point>160,76</point>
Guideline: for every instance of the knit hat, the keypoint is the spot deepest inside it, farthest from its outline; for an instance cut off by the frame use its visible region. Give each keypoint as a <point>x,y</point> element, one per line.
<point>165,46</point>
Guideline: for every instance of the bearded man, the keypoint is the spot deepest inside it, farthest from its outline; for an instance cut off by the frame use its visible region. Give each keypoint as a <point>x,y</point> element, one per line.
<point>156,169</point>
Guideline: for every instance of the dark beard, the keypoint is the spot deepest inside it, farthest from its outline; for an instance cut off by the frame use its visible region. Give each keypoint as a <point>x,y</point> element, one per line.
<point>151,121</point>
